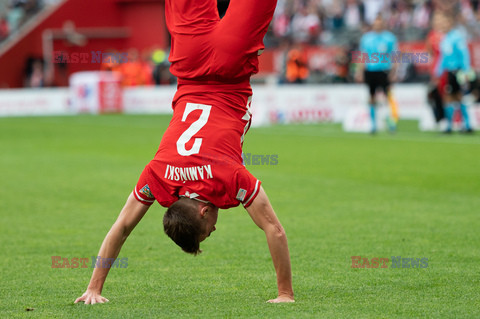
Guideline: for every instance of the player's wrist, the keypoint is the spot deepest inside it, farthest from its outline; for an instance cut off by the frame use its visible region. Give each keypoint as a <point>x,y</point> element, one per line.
<point>94,289</point>
<point>287,293</point>
<point>286,297</point>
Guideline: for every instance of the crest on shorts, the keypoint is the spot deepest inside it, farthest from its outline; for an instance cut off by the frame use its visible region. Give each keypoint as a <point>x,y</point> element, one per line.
<point>241,194</point>
<point>146,191</point>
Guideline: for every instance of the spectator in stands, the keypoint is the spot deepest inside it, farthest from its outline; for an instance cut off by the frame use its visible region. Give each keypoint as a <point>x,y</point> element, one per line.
<point>4,30</point>
<point>401,15</point>
<point>30,7</point>
<point>147,65</point>
<point>354,14</point>
<point>15,15</point>
<point>373,8</point>
<point>18,12</point>
<point>281,20</point>
<point>280,60</point>
<point>447,6</point>
<point>422,14</point>
<point>336,16</point>
<point>305,25</point>
<point>297,70</point>
<point>342,63</point>
<point>135,72</point>
<point>34,73</point>
<point>112,64</point>
<point>161,67</point>
<point>50,2</point>
<point>468,18</point>
<point>328,11</point>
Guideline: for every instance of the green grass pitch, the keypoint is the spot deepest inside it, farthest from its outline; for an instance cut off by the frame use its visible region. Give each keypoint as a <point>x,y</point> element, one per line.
<point>63,181</point>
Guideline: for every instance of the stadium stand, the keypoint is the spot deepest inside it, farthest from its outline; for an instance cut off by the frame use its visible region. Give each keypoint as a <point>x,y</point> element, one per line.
<point>15,13</point>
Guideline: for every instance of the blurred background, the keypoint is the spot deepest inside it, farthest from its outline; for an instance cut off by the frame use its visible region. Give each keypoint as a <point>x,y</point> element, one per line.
<point>45,43</point>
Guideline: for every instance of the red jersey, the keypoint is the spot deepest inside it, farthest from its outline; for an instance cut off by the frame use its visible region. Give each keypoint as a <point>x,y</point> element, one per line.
<point>434,38</point>
<point>200,155</point>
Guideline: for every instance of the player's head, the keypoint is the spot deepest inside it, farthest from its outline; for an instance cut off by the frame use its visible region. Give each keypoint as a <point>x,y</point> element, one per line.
<point>188,222</point>
<point>437,20</point>
<point>378,24</point>
<point>446,22</point>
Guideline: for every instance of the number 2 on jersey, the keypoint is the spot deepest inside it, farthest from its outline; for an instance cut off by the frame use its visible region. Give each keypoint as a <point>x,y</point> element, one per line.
<point>193,129</point>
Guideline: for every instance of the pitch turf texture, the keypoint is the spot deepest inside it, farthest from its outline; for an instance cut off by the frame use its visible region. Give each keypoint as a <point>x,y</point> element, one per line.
<point>63,181</point>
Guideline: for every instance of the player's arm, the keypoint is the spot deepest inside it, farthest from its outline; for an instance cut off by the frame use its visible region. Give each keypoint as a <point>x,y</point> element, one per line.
<point>359,72</point>
<point>428,45</point>
<point>393,75</point>
<point>131,214</point>
<point>264,217</point>
<point>465,52</point>
<point>440,67</point>
<point>393,71</point>
<point>360,66</point>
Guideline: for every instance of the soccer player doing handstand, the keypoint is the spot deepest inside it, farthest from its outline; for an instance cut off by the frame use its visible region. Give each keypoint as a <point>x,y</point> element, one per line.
<point>198,166</point>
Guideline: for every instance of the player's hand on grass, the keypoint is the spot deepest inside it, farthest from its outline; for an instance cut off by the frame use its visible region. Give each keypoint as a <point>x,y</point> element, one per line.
<point>281,299</point>
<point>91,298</point>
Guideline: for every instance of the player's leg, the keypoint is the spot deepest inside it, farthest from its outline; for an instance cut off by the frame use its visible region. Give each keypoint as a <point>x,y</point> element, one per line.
<point>189,23</point>
<point>449,112</point>
<point>436,101</point>
<point>459,91</point>
<point>371,80</point>
<point>244,25</point>
<point>191,17</point>
<point>386,87</point>
<point>451,89</point>
<point>466,82</point>
<point>463,109</point>
<point>393,104</point>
